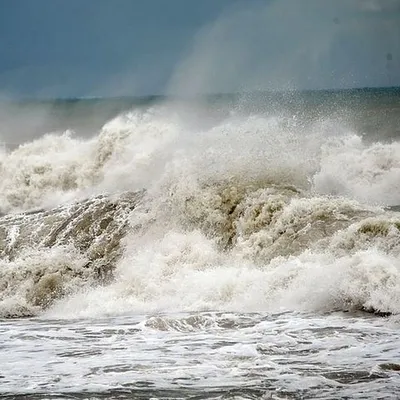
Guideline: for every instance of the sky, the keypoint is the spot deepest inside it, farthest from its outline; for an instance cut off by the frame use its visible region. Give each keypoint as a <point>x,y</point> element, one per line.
<point>84,48</point>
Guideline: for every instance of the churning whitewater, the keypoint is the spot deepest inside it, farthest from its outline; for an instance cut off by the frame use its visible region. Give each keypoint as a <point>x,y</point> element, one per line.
<point>206,250</point>
<point>171,209</point>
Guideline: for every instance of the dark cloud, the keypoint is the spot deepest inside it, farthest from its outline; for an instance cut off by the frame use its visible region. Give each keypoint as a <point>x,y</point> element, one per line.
<point>102,47</point>
<point>379,5</point>
<point>293,44</point>
<point>95,47</point>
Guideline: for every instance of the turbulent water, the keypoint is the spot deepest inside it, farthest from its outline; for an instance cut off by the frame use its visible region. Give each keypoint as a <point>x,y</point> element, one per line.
<point>239,246</point>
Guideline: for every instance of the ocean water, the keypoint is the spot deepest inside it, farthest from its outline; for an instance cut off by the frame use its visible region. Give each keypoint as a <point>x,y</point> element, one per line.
<point>230,247</point>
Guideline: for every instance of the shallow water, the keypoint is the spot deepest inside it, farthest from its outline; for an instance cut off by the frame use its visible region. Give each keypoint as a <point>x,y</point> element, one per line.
<point>202,355</point>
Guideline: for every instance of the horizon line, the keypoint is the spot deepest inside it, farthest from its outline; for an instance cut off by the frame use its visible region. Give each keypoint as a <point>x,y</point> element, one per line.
<point>196,96</point>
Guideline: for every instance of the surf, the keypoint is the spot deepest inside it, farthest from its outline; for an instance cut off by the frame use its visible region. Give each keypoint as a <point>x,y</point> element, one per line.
<point>239,210</point>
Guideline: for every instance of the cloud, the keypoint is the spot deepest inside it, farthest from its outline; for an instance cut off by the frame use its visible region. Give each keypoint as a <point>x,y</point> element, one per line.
<point>287,44</point>
<point>379,5</point>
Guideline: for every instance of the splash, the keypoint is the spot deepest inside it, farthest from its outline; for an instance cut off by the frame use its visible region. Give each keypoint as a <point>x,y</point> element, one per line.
<point>159,212</point>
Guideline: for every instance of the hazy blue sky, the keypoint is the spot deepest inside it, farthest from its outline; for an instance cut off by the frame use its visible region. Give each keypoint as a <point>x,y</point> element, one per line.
<point>134,47</point>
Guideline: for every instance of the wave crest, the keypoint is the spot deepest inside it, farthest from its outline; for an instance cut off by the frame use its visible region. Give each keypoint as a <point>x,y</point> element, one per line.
<point>233,214</point>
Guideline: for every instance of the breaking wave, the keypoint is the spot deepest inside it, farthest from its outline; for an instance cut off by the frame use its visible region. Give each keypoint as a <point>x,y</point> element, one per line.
<point>158,212</point>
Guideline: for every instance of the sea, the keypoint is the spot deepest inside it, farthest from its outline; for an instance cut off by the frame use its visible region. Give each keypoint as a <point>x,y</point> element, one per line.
<point>231,246</point>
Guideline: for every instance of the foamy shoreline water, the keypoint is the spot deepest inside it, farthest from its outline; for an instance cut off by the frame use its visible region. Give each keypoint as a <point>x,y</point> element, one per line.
<point>201,355</point>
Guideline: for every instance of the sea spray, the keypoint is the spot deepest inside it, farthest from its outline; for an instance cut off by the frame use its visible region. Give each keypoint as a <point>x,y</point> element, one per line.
<point>162,212</point>
<point>50,254</point>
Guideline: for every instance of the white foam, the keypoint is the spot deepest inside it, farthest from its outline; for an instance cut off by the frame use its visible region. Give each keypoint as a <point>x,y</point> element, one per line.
<point>366,172</point>
<point>233,218</point>
<point>29,280</point>
<point>186,271</point>
<point>134,150</point>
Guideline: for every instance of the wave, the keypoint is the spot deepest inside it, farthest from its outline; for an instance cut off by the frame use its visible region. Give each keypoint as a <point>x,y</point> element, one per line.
<point>160,212</point>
